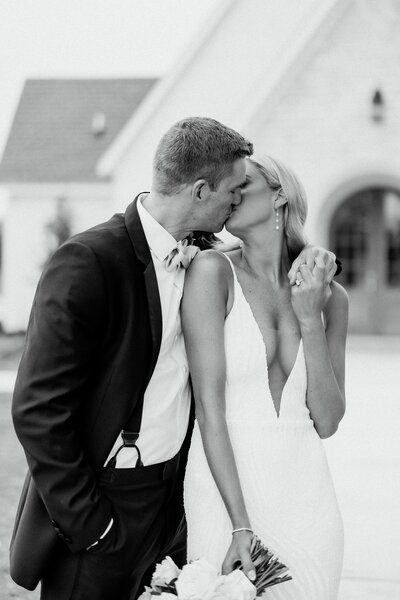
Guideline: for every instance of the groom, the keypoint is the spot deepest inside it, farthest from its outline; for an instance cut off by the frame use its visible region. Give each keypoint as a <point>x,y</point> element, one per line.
<point>102,399</point>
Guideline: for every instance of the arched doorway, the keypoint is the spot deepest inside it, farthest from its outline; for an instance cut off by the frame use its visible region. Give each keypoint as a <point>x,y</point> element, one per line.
<point>365,235</point>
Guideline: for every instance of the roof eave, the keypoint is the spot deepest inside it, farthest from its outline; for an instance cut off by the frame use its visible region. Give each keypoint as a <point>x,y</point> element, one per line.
<point>323,18</point>
<point>114,153</point>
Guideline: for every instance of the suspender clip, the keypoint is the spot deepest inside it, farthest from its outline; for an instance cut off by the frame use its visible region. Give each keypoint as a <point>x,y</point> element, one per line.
<point>130,438</point>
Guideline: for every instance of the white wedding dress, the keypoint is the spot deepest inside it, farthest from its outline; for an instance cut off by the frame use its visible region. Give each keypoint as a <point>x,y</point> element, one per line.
<point>282,466</point>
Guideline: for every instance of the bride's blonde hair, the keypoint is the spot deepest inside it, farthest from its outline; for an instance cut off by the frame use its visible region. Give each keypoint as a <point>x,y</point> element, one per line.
<point>280,177</point>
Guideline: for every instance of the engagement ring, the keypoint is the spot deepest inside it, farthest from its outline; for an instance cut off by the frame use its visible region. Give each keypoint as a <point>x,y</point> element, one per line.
<point>298,281</point>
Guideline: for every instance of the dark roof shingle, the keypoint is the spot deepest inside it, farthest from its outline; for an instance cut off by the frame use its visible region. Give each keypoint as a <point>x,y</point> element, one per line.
<point>51,139</point>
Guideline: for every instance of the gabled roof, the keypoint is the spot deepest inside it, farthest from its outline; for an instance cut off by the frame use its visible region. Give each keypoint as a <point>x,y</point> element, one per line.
<point>312,31</point>
<point>52,137</point>
<point>258,44</point>
<point>161,91</point>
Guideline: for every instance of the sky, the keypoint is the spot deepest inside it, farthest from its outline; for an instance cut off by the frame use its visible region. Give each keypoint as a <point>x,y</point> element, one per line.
<point>91,38</point>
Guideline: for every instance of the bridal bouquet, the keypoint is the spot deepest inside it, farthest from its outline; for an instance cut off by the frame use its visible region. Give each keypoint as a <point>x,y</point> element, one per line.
<point>198,580</point>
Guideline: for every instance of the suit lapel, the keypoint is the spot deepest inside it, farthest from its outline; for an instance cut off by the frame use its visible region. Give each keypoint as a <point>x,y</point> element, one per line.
<point>142,251</point>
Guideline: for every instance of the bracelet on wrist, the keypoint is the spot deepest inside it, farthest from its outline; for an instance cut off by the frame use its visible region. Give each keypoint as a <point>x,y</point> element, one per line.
<point>242,529</point>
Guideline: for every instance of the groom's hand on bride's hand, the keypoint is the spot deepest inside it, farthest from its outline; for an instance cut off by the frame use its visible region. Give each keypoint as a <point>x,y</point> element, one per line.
<point>309,256</point>
<point>239,553</point>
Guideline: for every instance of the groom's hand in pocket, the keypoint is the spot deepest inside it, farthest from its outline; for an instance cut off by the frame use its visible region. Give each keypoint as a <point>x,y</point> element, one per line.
<point>239,553</point>
<point>105,542</point>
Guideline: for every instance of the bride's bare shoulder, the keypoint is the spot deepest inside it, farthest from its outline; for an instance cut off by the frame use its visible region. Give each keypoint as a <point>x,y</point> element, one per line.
<point>209,263</point>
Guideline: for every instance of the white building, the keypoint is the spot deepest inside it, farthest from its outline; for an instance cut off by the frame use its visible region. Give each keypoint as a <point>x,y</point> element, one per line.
<point>48,177</point>
<point>315,83</point>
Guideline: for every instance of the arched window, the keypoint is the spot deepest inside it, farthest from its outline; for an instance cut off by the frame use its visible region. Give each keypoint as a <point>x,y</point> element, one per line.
<point>365,234</point>
<point>1,257</point>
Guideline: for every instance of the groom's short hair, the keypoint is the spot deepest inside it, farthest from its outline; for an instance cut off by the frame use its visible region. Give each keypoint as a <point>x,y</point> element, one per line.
<point>197,148</point>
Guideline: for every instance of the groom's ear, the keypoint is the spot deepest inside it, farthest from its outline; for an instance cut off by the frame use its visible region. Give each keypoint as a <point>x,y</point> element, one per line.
<point>200,190</point>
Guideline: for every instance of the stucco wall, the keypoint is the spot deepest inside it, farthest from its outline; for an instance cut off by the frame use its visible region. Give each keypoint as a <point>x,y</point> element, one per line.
<point>319,118</point>
<point>26,243</point>
<point>315,113</point>
<point>215,76</point>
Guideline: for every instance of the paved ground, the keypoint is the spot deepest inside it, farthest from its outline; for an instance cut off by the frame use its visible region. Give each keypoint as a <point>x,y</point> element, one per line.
<point>7,380</point>
<point>365,462</point>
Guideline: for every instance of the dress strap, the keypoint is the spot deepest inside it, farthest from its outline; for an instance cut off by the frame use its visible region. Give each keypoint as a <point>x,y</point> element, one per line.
<point>235,279</point>
<point>237,289</point>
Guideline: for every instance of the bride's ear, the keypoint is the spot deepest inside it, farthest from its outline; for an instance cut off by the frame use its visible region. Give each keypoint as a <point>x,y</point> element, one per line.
<point>280,199</point>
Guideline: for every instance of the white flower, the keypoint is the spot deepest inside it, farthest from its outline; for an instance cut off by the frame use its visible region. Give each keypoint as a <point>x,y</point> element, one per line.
<point>235,586</point>
<point>146,595</point>
<point>165,572</point>
<point>197,581</point>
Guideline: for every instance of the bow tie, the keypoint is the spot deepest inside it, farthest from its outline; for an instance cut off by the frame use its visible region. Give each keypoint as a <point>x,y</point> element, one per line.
<point>181,256</point>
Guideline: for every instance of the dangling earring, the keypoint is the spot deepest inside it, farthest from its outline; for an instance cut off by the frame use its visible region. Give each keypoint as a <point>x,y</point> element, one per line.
<point>276,219</point>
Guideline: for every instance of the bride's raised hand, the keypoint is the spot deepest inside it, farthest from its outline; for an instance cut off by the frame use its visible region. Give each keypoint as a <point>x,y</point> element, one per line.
<point>239,553</point>
<point>309,256</point>
<point>310,294</point>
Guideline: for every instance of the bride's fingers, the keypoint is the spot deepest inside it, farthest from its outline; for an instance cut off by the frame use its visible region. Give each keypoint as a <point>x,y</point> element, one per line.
<point>320,270</point>
<point>248,566</point>
<point>228,565</point>
<point>294,268</point>
<point>247,563</point>
<point>305,273</point>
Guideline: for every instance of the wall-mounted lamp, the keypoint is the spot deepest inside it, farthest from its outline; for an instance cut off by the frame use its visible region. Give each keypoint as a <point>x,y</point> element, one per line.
<point>378,107</point>
<point>99,123</point>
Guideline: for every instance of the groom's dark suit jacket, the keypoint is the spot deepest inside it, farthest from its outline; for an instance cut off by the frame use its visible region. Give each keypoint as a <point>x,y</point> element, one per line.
<point>92,343</point>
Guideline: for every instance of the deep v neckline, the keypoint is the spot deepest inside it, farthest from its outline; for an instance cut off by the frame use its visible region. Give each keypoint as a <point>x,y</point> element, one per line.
<point>277,411</point>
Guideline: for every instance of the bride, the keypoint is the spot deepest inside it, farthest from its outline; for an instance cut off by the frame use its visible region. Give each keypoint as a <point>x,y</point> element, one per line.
<point>267,362</point>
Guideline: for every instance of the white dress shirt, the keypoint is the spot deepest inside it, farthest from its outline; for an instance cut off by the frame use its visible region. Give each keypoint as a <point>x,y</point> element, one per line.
<point>167,397</point>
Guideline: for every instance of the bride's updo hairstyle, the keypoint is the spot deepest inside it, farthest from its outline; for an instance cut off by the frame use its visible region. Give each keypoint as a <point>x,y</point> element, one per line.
<point>280,177</point>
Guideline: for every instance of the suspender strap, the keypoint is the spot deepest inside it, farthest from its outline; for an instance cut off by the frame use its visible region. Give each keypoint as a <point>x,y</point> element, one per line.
<point>128,441</point>
<point>131,431</point>
<point>130,434</point>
